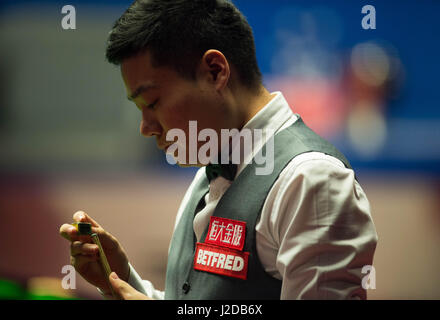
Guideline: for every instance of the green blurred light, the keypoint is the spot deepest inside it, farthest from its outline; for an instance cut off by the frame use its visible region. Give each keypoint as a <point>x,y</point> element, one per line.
<point>10,290</point>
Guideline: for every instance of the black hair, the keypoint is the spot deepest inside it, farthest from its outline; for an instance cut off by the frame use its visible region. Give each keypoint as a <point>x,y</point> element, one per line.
<point>178,32</point>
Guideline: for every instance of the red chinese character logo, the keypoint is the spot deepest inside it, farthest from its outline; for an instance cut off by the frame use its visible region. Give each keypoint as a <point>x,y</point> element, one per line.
<point>226,232</point>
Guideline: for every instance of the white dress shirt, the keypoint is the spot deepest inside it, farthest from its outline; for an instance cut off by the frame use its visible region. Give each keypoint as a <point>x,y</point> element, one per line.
<point>315,231</point>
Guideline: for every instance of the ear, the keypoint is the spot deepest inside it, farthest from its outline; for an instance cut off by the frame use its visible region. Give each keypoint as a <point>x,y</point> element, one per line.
<point>214,67</point>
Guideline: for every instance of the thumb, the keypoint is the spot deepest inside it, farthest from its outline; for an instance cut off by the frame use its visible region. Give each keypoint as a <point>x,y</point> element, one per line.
<point>81,216</point>
<point>121,288</point>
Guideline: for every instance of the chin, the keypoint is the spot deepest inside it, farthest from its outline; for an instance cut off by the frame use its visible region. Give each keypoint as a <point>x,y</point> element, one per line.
<point>186,165</point>
<point>175,161</point>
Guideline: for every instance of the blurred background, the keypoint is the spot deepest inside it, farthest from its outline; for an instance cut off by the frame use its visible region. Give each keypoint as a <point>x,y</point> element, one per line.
<point>70,140</point>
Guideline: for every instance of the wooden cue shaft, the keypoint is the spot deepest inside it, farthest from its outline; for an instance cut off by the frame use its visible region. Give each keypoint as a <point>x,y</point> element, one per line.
<point>104,262</point>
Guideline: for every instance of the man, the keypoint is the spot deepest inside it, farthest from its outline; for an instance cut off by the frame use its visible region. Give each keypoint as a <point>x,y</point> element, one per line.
<point>301,231</point>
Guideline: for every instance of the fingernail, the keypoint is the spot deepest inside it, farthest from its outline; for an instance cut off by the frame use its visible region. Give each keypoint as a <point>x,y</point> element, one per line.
<point>80,214</point>
<point>114,275</point>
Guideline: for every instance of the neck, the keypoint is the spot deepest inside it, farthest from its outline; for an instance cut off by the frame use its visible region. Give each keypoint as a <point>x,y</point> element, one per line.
<point>250,102</point>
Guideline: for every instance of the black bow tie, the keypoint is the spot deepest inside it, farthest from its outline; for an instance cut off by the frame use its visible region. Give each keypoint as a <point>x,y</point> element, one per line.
<point>227,171</point>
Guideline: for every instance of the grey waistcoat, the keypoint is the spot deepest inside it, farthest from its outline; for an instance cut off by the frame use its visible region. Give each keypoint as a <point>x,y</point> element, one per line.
<point>243,201</point>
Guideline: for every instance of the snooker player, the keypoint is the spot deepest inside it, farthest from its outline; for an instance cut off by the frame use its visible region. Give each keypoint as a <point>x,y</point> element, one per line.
<point>303,231</point>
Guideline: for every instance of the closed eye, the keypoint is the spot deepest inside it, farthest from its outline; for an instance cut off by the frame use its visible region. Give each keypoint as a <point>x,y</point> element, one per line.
<point>151,106</point>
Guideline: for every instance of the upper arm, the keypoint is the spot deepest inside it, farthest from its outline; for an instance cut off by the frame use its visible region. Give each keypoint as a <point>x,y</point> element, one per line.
<point>321,225</point>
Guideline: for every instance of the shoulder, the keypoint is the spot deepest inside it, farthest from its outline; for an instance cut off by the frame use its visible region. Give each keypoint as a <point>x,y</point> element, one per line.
<point>313,169</point>
<point>308,190</point>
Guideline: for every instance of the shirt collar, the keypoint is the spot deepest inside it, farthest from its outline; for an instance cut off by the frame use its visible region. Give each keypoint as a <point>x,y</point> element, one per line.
<point>272,118</point>
<point>273,115</point>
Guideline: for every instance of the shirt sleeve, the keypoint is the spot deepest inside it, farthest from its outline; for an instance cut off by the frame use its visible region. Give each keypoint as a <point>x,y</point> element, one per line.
<point>322,230</point>
<point>144,286</point>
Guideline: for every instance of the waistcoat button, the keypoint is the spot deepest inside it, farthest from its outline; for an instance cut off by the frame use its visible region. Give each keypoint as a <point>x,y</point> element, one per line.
<point>186,287</point>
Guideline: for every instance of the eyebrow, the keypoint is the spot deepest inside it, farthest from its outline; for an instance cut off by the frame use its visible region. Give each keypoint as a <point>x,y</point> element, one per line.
<point>142,88</point>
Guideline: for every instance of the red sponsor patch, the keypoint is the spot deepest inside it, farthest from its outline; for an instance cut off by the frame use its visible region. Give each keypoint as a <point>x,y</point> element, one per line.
<point>226,233</point>
<point>223,261</point>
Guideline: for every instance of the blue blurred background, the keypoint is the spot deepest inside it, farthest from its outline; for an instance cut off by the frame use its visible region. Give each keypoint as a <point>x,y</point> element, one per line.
<point>70,140</point>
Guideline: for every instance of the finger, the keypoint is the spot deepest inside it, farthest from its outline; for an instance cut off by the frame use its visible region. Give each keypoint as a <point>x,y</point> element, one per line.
<point>79,262</point>
<point>121,288</point>
<point>81,216</point>
<point>69,232</point>
<point>78,247</point>
<point>107,240</point>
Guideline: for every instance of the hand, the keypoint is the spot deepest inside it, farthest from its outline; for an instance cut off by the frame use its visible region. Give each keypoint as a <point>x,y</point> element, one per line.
<point>84,254</point>
<point>124,290</point>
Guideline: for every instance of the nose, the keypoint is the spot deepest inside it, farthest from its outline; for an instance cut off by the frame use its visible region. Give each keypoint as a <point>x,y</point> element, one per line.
<point>149,126</point>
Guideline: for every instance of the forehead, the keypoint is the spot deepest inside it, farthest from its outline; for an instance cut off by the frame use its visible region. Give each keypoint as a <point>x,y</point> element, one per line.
<point>137,70</point>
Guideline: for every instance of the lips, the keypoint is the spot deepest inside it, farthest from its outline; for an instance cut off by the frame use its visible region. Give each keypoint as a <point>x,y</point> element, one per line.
<point>163,147</point>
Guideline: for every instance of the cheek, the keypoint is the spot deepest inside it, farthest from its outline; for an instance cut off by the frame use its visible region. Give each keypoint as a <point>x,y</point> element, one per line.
<point>194,106</point>
<point>180,111</point>
<point>174,121</point>
<point>176,117</point>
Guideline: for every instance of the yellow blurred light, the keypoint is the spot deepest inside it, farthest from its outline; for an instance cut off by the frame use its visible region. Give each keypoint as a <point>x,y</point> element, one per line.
<point>366,129</point>
<point>370,63</point>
